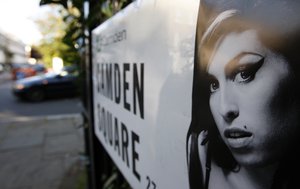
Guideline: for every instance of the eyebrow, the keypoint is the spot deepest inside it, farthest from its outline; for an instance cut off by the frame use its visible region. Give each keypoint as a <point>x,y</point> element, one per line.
<point>231,66</point>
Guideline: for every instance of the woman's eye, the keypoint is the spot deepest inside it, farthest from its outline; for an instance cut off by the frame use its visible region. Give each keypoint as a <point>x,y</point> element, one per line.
<point>214,85</point>
<point>247,72</point>
<point>244,76</point>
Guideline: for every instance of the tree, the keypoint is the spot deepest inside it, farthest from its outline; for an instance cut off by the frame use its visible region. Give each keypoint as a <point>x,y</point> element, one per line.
<point>52,29</point>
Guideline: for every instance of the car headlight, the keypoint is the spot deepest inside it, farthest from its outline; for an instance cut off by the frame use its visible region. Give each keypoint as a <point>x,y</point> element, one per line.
<point>19,86</point>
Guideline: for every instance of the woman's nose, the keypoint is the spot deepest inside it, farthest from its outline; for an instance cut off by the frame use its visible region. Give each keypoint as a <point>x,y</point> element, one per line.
<point>228,105</point>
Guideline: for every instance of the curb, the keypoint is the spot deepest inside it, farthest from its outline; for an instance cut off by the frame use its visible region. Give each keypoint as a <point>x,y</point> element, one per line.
<point>61,116</point>
<point>17,119</point>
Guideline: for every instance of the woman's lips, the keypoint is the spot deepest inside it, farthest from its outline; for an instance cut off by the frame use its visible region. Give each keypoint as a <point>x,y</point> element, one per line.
<point>238,138</point>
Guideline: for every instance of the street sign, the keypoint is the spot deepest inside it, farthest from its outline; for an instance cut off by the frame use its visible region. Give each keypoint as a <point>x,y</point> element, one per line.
<point>142,62</point>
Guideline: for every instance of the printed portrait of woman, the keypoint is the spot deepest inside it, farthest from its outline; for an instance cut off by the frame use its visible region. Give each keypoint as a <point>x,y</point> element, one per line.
<point>244,130</point>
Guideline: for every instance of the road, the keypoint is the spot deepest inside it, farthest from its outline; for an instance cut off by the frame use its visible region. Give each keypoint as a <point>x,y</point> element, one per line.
<point>11,107</point>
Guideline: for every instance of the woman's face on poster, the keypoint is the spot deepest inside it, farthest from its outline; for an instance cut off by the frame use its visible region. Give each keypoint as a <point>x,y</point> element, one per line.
<point>245,78</point>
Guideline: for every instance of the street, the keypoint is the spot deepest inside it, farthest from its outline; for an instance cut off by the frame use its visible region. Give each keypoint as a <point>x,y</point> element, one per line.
<point>12,107</point>
<point>48,137</point>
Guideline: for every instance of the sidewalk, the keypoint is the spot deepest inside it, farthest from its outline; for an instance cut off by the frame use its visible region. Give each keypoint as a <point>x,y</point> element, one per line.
<point>41,152</point>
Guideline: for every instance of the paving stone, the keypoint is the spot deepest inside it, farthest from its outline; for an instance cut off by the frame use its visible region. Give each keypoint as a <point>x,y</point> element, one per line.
<point>19,187</point>
<point>62,144</point>
<point>20,136</point>
<point>16,142</point>
<point>38,153</point>
<point>48,185</point>
<point>58,127</point>
<point>17,166</point>
<point>48,172</point>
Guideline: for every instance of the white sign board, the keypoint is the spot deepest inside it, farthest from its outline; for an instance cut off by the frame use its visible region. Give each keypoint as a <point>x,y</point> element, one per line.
<point>142,82</point>
<point>228,118</point>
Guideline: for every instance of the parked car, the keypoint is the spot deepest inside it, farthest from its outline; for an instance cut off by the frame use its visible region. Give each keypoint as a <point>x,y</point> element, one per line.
<point>37,88</point>
<point>23,70</point>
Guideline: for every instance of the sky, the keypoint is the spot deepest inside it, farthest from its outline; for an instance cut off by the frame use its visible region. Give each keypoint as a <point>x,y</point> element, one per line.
<point>16,19</point>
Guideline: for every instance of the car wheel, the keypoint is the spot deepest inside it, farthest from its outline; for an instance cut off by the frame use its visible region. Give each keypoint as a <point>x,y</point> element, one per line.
<point>36,95</point>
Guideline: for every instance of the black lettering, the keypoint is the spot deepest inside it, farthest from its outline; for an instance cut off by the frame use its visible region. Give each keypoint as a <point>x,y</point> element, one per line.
<point>135,156</point>
<point>98,78</point>
<point>102,78</point>
<point>109,127</point>
<point>103,122</point>
<point>99,117</point>
<point>109,81</point>
<point>126,68</point>
<point>149,182</point>
<point>138,89</point>
<point>116,147</point>
<point>117,83</point>
<point>109,84</point>
<point>125,144</point>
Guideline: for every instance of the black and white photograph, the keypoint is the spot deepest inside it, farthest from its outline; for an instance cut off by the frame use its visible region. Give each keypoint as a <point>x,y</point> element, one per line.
<point>244,129</point>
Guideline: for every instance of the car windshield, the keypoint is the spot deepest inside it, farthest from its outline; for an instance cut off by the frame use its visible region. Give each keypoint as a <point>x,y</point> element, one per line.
<point>62,73</point>
<point>50,74</point>
<point>70,70</point>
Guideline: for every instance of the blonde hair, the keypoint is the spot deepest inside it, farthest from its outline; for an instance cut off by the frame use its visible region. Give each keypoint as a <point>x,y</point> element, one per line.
<point>216,22</point>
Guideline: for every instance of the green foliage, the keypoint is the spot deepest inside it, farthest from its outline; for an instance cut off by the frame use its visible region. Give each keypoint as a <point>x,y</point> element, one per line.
<point>63,29</point>
<point>52,28</point>
<point>101,10</point>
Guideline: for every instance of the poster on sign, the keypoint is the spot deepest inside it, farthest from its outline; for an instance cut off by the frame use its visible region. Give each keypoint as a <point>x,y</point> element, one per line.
<point>200,94</point>
<point>142,83</point>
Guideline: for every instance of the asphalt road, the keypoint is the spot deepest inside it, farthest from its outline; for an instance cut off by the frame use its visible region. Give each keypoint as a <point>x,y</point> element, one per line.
<point>11,107</point>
